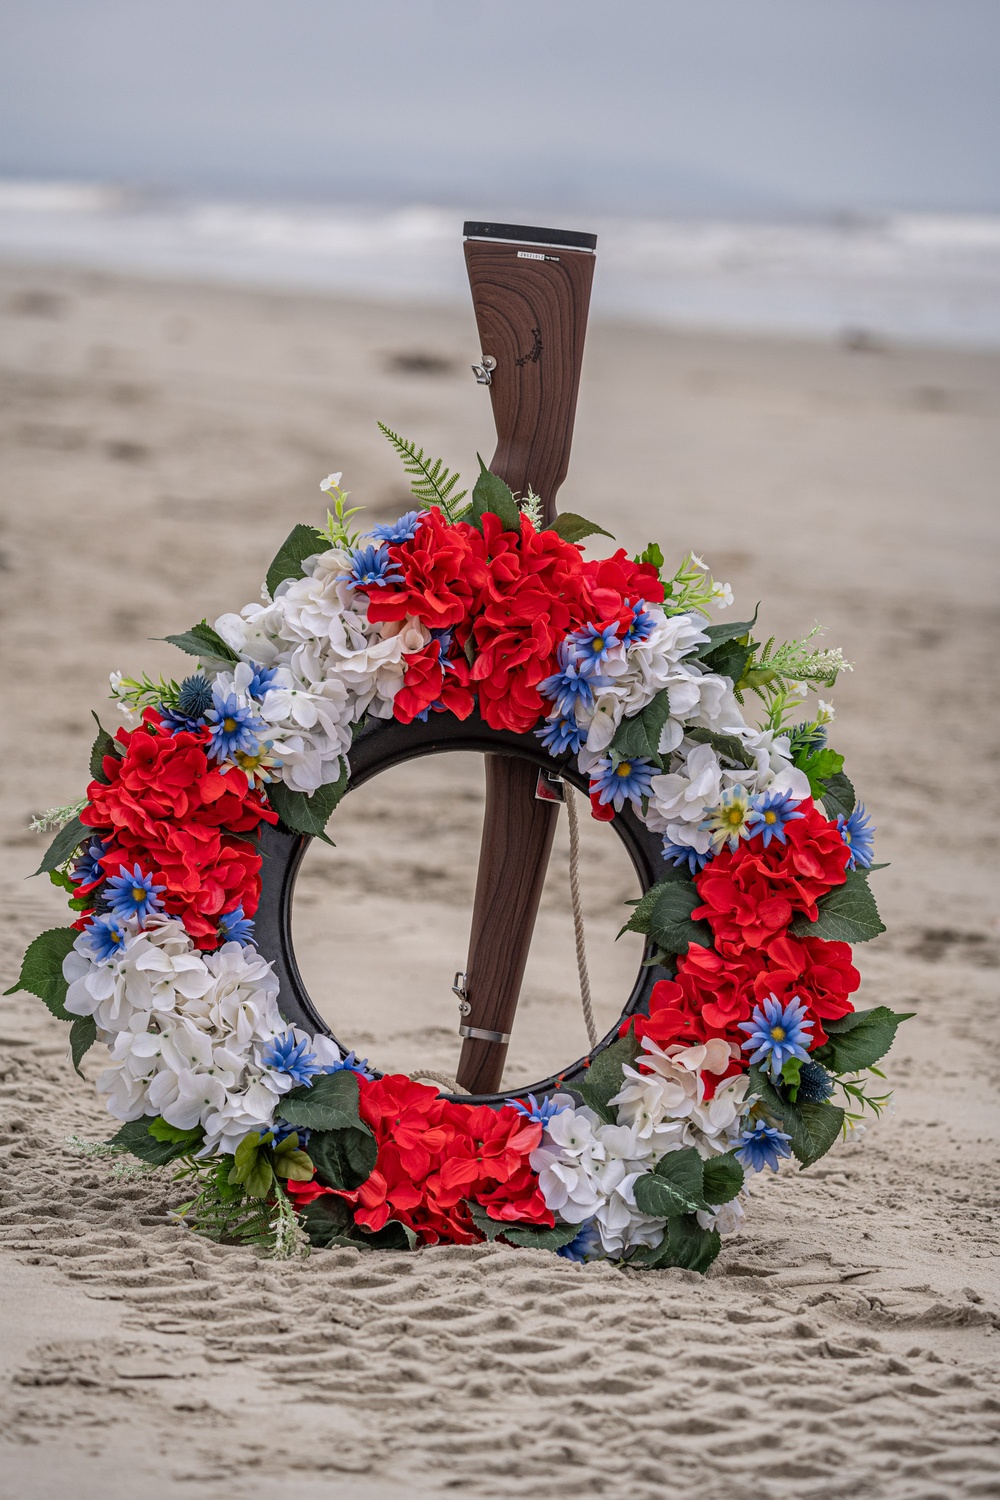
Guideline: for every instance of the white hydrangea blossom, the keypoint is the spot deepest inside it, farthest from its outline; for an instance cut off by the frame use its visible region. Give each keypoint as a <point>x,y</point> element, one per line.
<point>587,1170</point>
<point>187,1031</point>
<point>333,665</point>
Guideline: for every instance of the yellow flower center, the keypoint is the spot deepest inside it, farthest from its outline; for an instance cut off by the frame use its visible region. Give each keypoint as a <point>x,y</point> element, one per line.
<point>777,1033</point>
<point>138,893</point>
<point>623,768</point>
<point>229,725</point>
<point>770,817</point>
<point>248,762</point>
<point>734,816</point>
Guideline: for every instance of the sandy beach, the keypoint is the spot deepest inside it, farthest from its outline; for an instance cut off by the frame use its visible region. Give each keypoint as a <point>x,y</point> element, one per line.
<point>159,440</point>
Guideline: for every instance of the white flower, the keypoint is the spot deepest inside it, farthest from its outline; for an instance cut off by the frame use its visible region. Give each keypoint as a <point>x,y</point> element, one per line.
<point>723,595</point>
<point>331,482</point>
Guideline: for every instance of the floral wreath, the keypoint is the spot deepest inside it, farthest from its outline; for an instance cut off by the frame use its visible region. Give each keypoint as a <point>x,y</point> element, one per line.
<point>738,1059</point>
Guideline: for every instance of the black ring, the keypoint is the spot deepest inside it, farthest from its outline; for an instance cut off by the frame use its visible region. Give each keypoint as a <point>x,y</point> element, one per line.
<point>380,745</point>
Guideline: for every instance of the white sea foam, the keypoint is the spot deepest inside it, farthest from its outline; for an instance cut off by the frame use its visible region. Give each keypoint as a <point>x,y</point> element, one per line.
<point>928,277</point>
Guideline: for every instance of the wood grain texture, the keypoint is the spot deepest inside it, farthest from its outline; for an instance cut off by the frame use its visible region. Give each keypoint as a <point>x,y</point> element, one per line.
<point>532,318</point>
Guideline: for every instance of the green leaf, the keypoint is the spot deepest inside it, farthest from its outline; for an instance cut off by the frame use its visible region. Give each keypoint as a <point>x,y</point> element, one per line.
<point>252,1165</point>
<point>82,1036</point>
<point>838,796</point>
<point>573,528</point>
<point>729,660</point>
<point>300,543</point>
<point>859,1039</point>
<point>135,1138</point>
<point>847,914</point>
<point>675,1186</point>
<point>308,814</point>
<point>723,1178</point>
<point>41,970</point>
<point>344,1158</point>
<point>102,746</point>
<point>327,1220</point>
<point>536,1237</point>
<point>294,1165</point>
<point>651,553</point>
<point>202,641</point>
<point>729,746</point>
<point>329,1103</point>
<point>491,1228</point>
<point>664,913</point>
<point>728,630</point>
<point>66,842</point>
<point>392,1236</point>
<point>639,738</point>
<point>689,1246</point>
<point>491,494</point>
<point>812,1127</point>
<point>604,1078</point>
<point>162,1130</point>
<point>820,766</point>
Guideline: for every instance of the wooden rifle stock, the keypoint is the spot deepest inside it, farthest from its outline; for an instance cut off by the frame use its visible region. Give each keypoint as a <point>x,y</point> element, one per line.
<point>531,293</point>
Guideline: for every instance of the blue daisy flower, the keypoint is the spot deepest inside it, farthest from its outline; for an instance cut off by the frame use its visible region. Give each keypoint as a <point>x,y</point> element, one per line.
<point>397,532</point>
<point>372,567</point>
<point>234,927</point>
<point>593,642</point>
<point>262,680</point>
<point>628,781</point>
<point>680,855</point>
<point>777,1032</point>
<point>86,868</point>
<point>351,1064</point>
<point>761,1145</point>
<point>233,728</point>
<point>106,937</point>
<point>858,833</point>
<point>542,1111</point>
<point>560,735</point>
<point>133,894</point>
<point>573,685</point>
<point>586,1246</point>
<point>285,1055</point>
<point>769,814</point>
<point>642,625</point>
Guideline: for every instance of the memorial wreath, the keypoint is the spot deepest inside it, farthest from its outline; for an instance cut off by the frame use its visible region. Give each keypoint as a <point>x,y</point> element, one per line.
<point>746,1047</point>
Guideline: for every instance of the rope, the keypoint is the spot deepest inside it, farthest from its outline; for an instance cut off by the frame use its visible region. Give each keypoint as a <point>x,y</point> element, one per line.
<point>448,1084</point>
<point>578,932</point>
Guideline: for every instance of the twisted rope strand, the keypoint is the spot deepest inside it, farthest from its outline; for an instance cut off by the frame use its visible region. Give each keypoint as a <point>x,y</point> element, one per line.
<point>578,930</point>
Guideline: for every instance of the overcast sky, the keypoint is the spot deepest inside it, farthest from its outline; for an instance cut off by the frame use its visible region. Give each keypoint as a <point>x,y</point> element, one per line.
<point>635,105</point>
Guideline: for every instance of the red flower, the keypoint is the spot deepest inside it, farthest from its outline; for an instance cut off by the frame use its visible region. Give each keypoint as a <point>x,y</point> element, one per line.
<point>611,580</point>
<point>750,894</point>
<point>167,808</point>
<point>439,572</point>
<point>433,681</point>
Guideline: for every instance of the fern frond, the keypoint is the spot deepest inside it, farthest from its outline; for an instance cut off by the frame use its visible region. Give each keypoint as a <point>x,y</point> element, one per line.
<point>430,481</point>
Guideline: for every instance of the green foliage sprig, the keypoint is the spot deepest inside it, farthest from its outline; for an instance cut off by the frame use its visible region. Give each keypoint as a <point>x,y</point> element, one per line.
<point>430,482</point>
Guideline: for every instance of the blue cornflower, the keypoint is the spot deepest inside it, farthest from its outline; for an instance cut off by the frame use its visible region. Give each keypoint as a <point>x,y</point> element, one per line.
<point>353,1065</point>
<point>858,833</point>
<point>629,780</point>
<point>682,854</point>
<point>262,679</point>
<point>194,699</point>
<point>106,937</point>
<point>397,532</point>
<point>285,1055</point>
<point>86,868</point>
<point>373,567</point>
<point>542,1112</point>
<point>761,1146</point>
<point>593,642</point>
<point>133,894</point>
<point>573,685</point>
<point>586,1246</point>
<point>234,927</point>
<point>778,1032</point>
<point>769,813</point>
<point>642,625</point>
<point>560,735</point>
<point>234,729</point>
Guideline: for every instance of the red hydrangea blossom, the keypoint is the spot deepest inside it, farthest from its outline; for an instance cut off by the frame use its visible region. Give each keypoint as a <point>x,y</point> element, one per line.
<point>434,680</point>
<point>750,894</point>
<point>433,1156</point>
<point>167,808</point>
<point>439,575</point>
